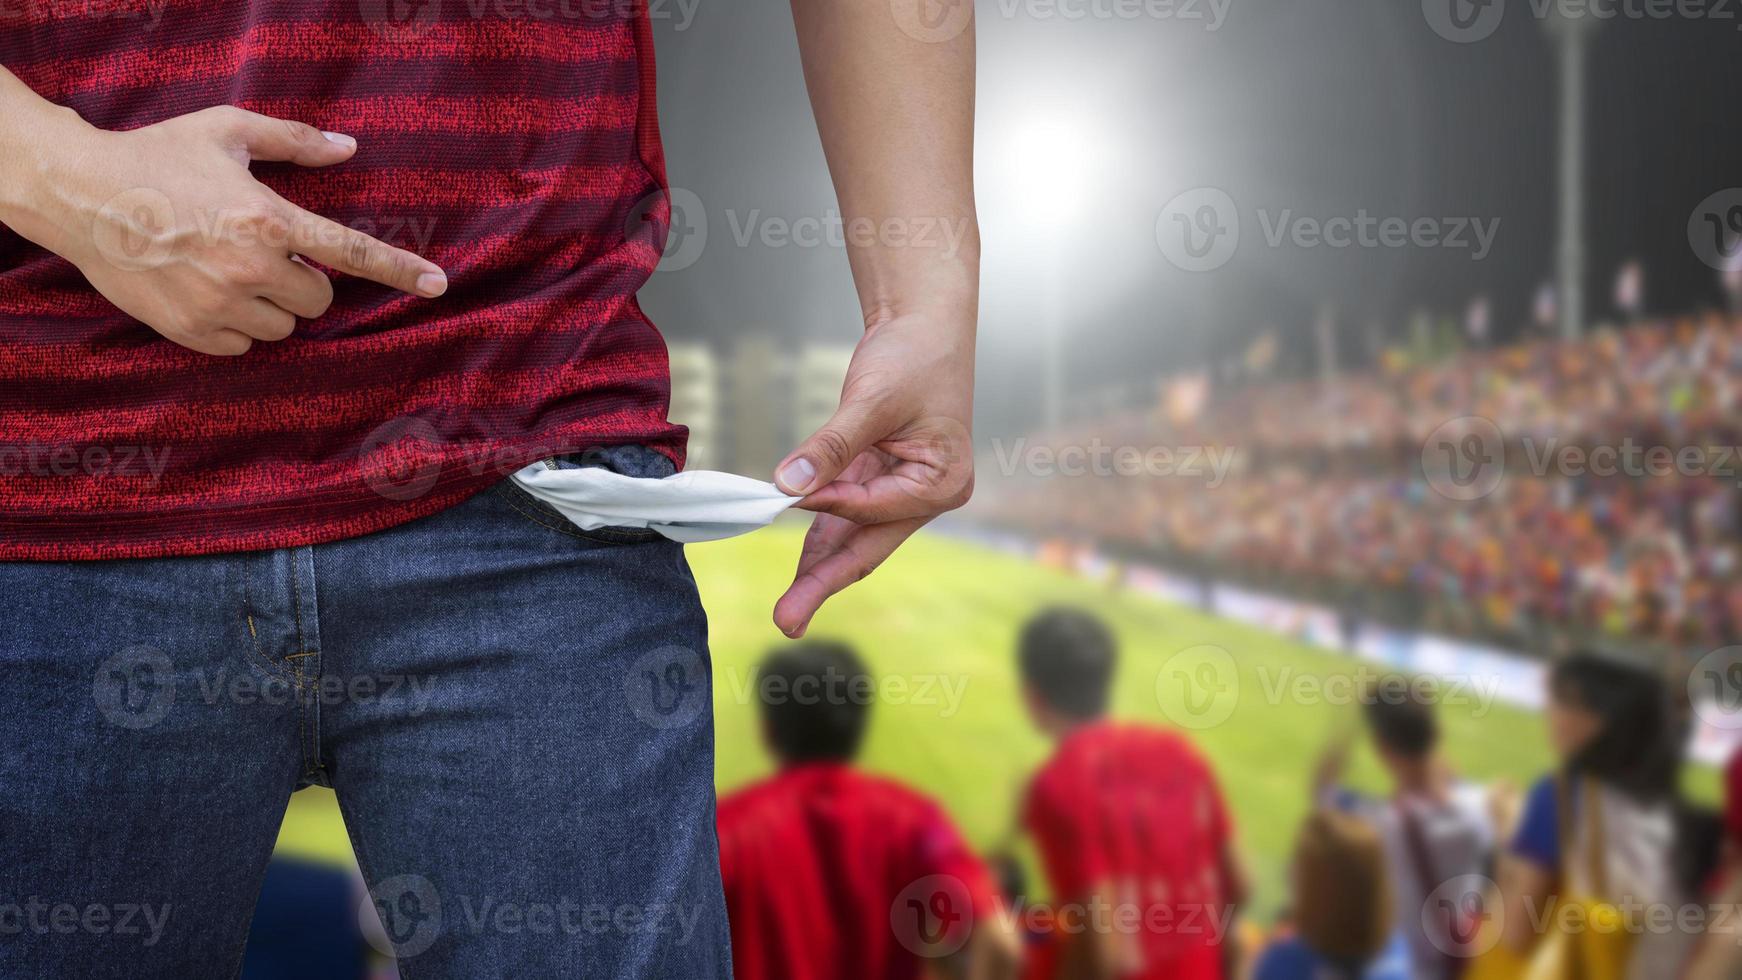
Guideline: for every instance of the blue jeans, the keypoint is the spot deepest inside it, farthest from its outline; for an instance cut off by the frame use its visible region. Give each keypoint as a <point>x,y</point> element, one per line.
<point>515,716</point>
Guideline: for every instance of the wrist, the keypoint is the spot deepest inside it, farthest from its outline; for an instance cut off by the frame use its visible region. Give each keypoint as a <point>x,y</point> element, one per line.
<point>37,165</point>
<point>944,294</point>
<point>932,272</point>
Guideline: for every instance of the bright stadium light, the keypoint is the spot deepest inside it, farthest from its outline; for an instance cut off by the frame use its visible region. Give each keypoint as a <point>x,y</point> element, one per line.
<point>1047,174</point>
<point>1051,161</point>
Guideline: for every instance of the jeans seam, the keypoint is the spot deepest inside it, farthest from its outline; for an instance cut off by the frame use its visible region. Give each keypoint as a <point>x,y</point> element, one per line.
<point>296,612</point>
<point>265,663</point>
<point>260,658</point>
<point>307,687</point>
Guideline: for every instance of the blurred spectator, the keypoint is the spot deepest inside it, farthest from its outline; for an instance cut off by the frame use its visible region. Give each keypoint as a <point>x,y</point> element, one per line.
<point>1434,829</point>
<point>1343,908</point>
<point>1130,824</point>
<point>1604,832</point>
<point>832,874</point>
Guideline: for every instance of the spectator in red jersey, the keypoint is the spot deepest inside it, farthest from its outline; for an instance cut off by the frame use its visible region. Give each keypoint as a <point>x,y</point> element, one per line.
<point>834,874</point>
<point>1129,821</point>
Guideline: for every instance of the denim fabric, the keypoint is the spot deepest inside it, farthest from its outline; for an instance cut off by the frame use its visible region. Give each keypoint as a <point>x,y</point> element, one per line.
<point>515,715</point>
<point>637,461</point>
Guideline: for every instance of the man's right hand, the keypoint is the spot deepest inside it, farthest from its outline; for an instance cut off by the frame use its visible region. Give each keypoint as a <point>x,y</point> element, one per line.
<point>169,225</point>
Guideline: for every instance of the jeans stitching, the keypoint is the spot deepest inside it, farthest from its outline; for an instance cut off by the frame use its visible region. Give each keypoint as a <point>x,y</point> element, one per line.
<point>260,658</point>
<point>305,694</point>
<point>296,611</point>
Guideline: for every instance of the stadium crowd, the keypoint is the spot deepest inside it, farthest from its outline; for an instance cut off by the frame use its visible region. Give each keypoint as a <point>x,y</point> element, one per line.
<point>1610,504</point>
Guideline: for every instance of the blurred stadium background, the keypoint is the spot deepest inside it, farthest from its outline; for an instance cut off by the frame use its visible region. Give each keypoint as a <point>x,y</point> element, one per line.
<point>1338,518</point>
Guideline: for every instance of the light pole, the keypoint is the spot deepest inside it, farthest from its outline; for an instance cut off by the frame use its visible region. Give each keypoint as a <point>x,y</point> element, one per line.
<point>1053,346</point>
<point>1572,35</point>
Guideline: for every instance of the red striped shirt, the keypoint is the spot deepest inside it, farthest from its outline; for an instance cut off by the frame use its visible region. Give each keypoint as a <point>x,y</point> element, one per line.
<point>514,144</point>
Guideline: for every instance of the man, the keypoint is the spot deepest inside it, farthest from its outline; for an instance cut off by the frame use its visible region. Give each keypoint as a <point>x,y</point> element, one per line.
<point>1128,820</point>
<point>256,530</point>
<point>1435,830</point>
<point>832,874</point>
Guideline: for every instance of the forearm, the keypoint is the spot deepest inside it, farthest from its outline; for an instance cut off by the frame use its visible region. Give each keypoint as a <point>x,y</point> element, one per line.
<point>36,133</point>
<point>896,115</point>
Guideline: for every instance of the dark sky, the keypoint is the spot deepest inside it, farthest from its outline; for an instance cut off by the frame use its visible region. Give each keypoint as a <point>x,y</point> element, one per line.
<point>1319,107</point>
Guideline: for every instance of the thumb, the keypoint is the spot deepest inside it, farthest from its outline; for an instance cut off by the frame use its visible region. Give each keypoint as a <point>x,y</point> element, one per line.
<point>266,138</point>
<point>820,459</point>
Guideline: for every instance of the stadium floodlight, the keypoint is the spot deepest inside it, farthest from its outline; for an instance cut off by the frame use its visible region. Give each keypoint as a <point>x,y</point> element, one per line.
<point>1050,160</point>
<point>1046,180</point>
<point>1572,34</point>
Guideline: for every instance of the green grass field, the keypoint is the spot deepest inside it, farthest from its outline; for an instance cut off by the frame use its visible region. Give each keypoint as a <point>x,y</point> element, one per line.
<point>938,623</point>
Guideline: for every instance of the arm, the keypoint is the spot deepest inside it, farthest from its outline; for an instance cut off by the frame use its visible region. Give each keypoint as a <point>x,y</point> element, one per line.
<point>1332,764</point>
<point>993,952</point>
<point>1529,871</point>
<point>1525,890</point>
<point>896,115</point>
<point>1099,954</point>
<point>1237,882</point>
<point>167,223</point>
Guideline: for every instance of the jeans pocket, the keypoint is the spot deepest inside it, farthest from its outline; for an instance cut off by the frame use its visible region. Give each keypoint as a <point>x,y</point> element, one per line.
<point>635,461</point>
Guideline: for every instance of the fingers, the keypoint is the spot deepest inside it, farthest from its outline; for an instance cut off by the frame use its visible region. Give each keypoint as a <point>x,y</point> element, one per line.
<point>824,537</point>
<point>219,343</point>
<point>356,254</point>
<point>302,290</point>
<point>836,566</point>
<point>909,489</point>
<point>819,460</point>
<point>327,242</point>
<point>263,320</point>
<point>266,138</point>
<point>925,469</point>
